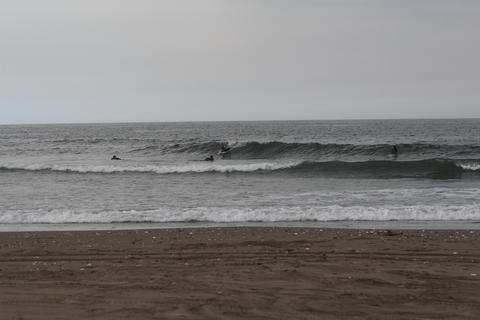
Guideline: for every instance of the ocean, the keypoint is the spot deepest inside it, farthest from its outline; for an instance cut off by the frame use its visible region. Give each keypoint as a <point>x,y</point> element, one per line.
<point>339,173</point>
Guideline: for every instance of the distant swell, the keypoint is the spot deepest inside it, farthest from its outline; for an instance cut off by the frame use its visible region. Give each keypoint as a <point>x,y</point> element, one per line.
<point>433,169</point>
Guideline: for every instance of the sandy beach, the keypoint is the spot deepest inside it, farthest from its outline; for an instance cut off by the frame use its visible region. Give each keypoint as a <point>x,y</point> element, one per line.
<point>240,273</point>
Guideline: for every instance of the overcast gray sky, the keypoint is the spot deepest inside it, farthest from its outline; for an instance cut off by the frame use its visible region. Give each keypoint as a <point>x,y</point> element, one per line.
<point>154,60</point>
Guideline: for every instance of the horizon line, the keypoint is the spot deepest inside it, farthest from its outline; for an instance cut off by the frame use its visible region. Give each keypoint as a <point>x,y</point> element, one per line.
<point>261,120</point>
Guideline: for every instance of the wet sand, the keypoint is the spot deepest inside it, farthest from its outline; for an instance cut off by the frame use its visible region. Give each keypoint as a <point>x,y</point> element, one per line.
<point>240,273</point>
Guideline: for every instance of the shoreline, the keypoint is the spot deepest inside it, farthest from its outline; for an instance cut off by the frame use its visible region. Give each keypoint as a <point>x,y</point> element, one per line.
<point>241,272</point>
<point>352,224</point>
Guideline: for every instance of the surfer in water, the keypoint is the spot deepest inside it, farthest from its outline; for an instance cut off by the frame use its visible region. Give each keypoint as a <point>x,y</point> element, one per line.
<point>394,151</point>
<point>209,158</point>
<point>115,158</point>
<point>225,149</point>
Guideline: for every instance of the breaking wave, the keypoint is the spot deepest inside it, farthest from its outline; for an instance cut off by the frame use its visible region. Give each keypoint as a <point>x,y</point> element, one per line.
<point>278,149</point>
<point>432,168</point>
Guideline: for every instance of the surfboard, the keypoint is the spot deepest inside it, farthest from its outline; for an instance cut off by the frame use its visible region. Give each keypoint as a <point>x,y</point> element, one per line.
<point>222,153</point>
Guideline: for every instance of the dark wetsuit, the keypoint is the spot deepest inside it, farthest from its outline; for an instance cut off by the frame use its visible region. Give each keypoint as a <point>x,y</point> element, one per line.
<point>395,150</point>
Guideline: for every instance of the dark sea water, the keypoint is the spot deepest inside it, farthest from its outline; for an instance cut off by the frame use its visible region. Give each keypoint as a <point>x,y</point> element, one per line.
<point>303,171</point>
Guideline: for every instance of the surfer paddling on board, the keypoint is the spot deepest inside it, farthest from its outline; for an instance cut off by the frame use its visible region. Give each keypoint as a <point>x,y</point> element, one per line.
<point>115,158</point>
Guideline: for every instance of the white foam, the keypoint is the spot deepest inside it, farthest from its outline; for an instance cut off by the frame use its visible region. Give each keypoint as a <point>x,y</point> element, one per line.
<point>247,214</point>
<point>192,167</point>
<point>470,166</point>
<point>186,168</point>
